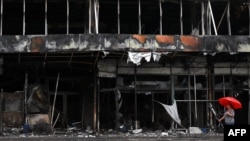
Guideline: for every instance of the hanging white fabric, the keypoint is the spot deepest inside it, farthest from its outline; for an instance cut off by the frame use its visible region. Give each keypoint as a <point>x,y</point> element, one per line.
<point>172,111</point>
<point>136,57</point>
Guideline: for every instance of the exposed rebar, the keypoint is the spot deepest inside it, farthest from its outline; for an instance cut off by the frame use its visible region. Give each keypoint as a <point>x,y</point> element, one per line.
<point>24,7</point>
<point>118,17</point>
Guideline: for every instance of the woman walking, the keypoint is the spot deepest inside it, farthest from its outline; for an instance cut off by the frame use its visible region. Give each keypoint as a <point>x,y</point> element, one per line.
<point>228,115</point>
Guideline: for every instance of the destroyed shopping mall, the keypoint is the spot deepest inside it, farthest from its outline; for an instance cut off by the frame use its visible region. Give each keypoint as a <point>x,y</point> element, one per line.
<point>122,68</point>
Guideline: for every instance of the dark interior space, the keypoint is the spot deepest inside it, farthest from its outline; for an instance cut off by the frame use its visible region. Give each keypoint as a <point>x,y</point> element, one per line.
<point>77,88</point>
<point>36,19</point>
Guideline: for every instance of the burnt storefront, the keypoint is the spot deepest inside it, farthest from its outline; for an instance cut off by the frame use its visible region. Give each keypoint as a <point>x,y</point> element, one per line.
<point>102,66</point>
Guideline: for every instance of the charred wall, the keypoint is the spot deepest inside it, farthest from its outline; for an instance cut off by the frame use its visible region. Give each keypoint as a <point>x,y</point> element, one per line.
<point>12,109</point>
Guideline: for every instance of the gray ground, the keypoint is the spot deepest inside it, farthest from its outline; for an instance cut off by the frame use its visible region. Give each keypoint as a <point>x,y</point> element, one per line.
<point>74,135</point>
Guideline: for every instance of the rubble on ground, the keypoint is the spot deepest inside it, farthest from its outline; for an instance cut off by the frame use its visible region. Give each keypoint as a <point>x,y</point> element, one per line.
<point>89,133</point>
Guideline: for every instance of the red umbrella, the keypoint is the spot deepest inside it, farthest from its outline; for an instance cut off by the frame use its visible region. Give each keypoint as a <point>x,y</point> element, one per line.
<point>224,101</point>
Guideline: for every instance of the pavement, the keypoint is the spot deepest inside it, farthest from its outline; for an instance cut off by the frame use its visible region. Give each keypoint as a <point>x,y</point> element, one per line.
<point>80,136</point>
<point>76,134</point>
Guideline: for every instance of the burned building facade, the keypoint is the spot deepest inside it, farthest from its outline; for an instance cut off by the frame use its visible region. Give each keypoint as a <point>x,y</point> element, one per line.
<point>100,64</point>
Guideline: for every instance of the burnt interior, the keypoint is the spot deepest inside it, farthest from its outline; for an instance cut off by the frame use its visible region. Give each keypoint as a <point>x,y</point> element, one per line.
<point>35,16</point>
<point>79,87</point>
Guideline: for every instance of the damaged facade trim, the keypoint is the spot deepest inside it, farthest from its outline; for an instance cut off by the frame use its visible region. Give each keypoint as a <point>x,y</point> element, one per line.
<point>124,42</point>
